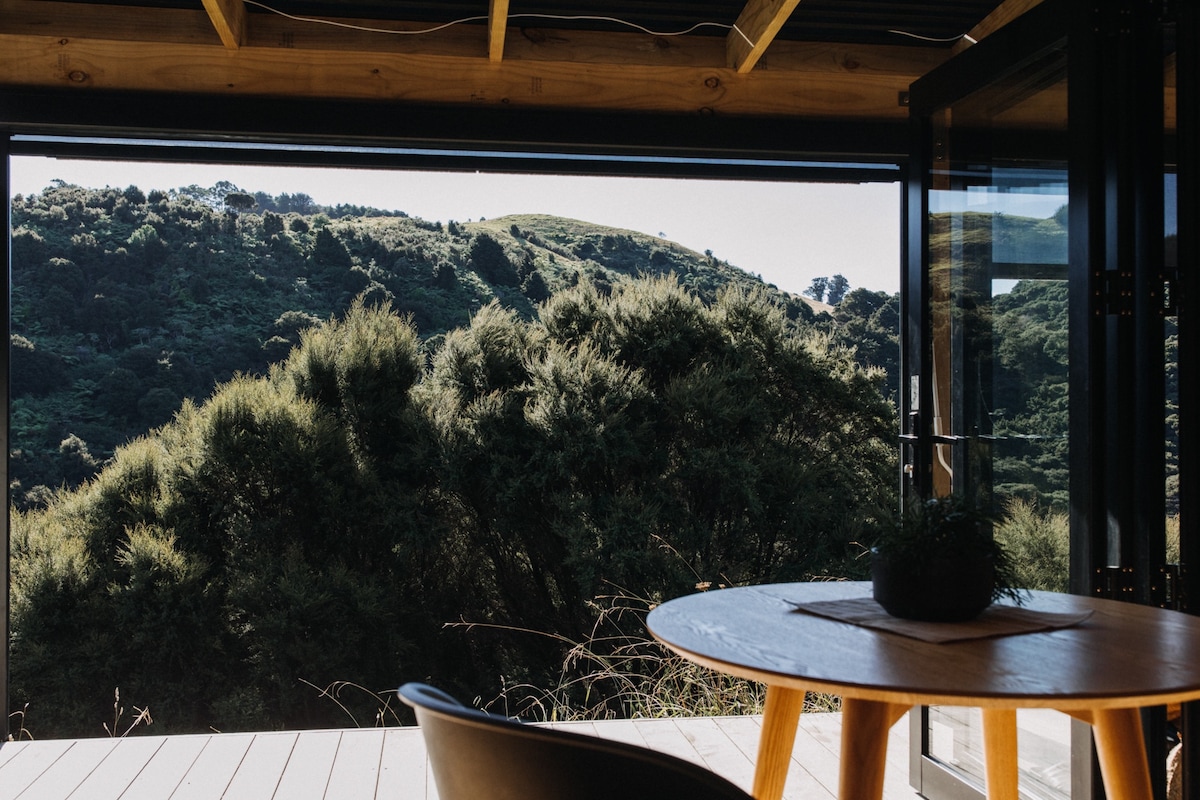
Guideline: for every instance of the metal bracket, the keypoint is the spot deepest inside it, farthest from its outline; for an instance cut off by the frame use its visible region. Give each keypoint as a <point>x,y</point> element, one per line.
<point>1170,307</point>
<point>1115,583</point>
<point>1166,587</point>
<point>1166,590</point>
<point>1118,293</point>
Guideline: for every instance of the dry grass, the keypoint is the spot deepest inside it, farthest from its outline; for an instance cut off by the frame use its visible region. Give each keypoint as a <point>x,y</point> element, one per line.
<point>620,671</point>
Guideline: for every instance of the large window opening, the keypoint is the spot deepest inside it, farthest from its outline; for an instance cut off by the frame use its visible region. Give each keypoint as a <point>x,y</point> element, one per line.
<point>95,280</point>
<point>209,420</point>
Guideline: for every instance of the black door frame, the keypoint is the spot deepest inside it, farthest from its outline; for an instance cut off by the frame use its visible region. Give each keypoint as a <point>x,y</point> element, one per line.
<point>1119,293</point>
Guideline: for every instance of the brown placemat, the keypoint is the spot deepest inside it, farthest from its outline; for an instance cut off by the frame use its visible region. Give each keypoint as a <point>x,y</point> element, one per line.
<point>996,620</point>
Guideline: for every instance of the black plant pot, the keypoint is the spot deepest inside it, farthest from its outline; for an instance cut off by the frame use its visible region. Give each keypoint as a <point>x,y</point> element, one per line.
<point>941,590</point>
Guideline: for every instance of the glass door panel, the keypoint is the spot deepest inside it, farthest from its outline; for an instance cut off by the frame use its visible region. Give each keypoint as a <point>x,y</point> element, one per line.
<point>996,255</point>
<point>997,263</point>
<point>1043,750</point>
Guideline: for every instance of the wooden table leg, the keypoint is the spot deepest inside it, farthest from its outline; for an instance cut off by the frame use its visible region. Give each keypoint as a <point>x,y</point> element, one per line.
<point>1122,753</point>
<point>1000,748</point>
<point>781,715</point>
<point>865,727</point>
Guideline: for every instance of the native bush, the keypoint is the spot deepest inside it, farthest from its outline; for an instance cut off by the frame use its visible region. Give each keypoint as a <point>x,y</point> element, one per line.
<point>1038,541</point>
<point>323,522</point>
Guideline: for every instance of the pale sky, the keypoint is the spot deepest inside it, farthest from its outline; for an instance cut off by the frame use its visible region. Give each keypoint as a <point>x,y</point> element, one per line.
<point>789,233</point>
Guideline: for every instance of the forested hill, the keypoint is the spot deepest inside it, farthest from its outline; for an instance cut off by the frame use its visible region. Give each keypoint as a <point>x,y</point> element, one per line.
<point>126,302</point>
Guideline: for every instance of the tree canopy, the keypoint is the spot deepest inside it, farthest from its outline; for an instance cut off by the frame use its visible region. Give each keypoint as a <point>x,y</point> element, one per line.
<point>324,521</point>
<point>126,303</point>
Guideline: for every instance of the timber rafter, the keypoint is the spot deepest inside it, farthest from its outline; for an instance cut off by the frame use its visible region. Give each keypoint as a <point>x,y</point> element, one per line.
<point>219,47</point>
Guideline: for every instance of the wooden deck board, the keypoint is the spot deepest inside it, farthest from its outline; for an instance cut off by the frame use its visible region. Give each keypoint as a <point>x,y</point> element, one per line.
<point>404,771</point>
<point>306,774</point>
<point>385,763</point>
<point>32,761</point>
<point>124,763</point>
<point>355,774</point>
<point>214,768</point>
<point>74,766</point>
<point>719,752</point>
<point>160,777</point>
<point>259,772</point>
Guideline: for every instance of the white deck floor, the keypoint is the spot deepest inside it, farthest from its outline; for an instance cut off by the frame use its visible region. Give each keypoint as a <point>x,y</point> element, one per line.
<point>385,762</point>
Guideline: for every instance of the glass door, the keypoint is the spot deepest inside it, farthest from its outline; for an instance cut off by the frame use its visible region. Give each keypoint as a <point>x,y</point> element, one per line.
<point>986,351</point>
<point>1040,289</point>
<point>997,274</point>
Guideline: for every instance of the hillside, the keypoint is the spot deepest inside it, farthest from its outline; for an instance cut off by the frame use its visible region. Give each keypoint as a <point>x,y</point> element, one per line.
<point>126,302</point>
<point>367,515</point>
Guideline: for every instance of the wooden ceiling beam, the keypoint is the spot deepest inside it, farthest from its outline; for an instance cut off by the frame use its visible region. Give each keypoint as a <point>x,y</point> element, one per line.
<point>229,18</point>
<point>755,29</point>
<point>497,25</point>
<point>1000,16</point>
<point>48,43</point>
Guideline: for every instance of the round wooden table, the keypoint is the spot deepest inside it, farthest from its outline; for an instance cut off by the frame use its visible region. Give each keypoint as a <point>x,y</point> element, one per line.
<point>1102,670</point>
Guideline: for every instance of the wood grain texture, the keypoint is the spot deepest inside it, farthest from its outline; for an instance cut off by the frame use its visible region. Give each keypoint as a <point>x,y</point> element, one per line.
<point>1000,742</point>
<point>1001,15</point>
<point>865,728</point>
<point>47,43</point>
<point>755,30</point>
<point>229,18</point>
<point>1123,656</point>
<point>1121,752</point>
<point>497,25</point>
<point>780,717</point>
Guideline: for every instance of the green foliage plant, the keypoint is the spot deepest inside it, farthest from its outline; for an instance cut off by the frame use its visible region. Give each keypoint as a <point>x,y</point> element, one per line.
<point>323,519</point>
<point>948,528</point>
<point>1038,544</point>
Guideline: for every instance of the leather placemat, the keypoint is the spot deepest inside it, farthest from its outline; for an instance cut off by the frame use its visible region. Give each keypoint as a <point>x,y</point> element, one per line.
<point>996,620</point>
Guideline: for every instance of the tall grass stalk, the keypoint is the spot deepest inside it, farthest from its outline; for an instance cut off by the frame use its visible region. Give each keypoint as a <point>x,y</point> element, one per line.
<point>385,714</point>
<point>618,671</point>
<point>142,718</point>
<point>21,731</point>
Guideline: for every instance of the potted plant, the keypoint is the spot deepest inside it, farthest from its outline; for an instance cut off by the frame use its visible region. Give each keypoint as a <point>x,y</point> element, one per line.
<point>938,562</point>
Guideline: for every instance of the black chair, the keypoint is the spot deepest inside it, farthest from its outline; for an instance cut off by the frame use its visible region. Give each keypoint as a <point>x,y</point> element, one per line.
<point>478,756</point>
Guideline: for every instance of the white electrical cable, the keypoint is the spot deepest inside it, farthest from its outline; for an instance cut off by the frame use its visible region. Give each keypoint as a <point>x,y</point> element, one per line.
<point>444,25</point>
<point>966,36</point>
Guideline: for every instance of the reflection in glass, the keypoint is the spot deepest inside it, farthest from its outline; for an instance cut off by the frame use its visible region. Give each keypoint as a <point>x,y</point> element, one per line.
<point>997,255</point>
<point>1043,749</point>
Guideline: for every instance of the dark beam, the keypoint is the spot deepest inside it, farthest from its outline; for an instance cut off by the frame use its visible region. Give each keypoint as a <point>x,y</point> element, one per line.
<point>385,133</point>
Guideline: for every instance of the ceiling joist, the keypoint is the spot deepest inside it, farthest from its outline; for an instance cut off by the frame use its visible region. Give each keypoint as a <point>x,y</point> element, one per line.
<point>49,43</point>
<point>1001,15</point>
<point>755,29</point>
<point>229,18</point>
<point>497,24</point>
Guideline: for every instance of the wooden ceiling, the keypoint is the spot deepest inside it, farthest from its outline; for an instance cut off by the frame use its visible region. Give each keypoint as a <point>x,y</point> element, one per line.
<point>799,59</point>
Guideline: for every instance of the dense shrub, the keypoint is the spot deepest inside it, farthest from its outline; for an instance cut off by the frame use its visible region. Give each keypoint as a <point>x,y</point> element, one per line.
<point>323,522</point>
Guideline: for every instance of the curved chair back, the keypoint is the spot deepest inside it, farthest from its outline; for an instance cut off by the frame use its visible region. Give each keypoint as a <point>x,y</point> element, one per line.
<point>478,756</point>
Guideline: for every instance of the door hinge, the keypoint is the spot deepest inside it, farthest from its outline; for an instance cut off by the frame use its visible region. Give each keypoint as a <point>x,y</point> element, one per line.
<point>1118,293</point>
<point>1166,587</point>
<point>1115,583</point>
<point>1170,295</point>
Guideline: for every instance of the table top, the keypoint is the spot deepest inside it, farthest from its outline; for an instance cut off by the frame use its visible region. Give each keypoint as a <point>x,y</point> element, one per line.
<point>1123,655</point>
